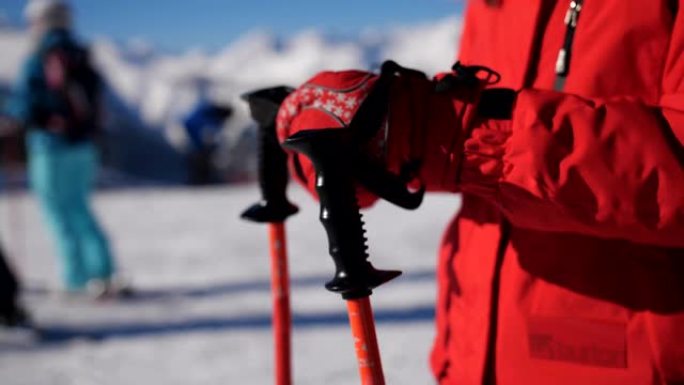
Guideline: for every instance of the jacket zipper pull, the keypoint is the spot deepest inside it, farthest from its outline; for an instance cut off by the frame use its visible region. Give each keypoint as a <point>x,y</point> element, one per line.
<point>571,20</point>
<point>562,62</point>
<point>572,15</point>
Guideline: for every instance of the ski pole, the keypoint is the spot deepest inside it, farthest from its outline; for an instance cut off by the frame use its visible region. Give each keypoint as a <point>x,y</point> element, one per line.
<point>274,208</point>
<point>355,277</point>
<point>362,326</point>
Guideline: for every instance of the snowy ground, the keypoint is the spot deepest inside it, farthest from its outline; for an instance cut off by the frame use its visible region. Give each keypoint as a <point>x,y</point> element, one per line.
<point>203,313</point>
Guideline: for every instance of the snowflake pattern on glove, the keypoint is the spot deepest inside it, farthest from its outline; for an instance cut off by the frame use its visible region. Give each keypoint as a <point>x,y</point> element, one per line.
<point>339,103</point>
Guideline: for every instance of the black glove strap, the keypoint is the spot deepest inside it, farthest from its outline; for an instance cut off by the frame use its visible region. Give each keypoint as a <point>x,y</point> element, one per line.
<point>371,114</point>
<point>497,103</point>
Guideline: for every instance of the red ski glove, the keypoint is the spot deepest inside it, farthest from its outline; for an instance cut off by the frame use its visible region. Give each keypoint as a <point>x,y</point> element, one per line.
<point>418,125</point>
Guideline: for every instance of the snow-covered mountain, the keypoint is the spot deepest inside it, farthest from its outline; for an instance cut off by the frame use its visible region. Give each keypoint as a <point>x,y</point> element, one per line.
<point>157,88</point>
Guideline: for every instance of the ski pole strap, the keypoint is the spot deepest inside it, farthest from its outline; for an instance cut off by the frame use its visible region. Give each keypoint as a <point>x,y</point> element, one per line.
<point>364,126</point>
<point>372,112</point>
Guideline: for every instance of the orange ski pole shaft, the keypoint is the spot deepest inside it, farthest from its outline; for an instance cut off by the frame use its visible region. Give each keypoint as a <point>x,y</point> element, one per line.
<point>280,289</point>
<point>355,277</point>
<point>365,341</point>
<point>274,209</point>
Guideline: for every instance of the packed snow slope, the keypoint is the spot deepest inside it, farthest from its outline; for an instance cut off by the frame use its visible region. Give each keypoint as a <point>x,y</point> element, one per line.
<point>202,313</point>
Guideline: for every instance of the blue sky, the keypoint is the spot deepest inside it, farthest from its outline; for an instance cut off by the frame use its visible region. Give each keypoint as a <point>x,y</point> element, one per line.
<point>210,24</point>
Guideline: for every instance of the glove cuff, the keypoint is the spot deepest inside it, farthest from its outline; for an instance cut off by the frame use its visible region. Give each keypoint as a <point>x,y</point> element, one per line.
<point>430,121</point>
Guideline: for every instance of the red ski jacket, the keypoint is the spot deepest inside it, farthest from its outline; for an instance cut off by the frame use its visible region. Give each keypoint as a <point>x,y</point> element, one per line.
<point>566,264</point>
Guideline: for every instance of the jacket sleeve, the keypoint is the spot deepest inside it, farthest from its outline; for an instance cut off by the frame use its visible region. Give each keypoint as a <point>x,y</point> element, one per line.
<point>608,168</point>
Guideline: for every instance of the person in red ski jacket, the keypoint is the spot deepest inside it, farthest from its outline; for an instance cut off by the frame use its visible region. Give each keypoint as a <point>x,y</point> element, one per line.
<point>565,264</point>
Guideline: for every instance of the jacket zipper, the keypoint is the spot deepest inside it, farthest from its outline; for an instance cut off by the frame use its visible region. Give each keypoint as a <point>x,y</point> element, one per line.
<point>571,19</point>
<point>565,53</point>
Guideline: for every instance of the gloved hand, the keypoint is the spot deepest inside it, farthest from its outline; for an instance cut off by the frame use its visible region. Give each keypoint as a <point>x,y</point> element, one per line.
<point>410,127</point>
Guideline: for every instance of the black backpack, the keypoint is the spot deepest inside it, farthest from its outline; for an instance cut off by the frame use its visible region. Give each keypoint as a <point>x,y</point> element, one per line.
<point>72,80</point>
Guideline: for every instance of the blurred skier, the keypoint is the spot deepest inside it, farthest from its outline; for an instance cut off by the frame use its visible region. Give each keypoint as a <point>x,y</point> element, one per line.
<point>57,101</point>
<point>565,265</point>
<point>203,126</point>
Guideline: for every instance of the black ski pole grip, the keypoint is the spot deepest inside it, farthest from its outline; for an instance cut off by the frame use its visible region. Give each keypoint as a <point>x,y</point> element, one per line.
<point>272,162</point>
<point>328,149</point>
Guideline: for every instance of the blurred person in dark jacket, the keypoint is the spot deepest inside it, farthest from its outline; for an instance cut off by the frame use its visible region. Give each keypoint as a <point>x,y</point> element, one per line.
<point>56,100</point>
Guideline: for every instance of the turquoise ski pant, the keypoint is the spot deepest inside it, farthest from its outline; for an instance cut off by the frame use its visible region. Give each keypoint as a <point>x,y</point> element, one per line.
<point>62,175</point>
